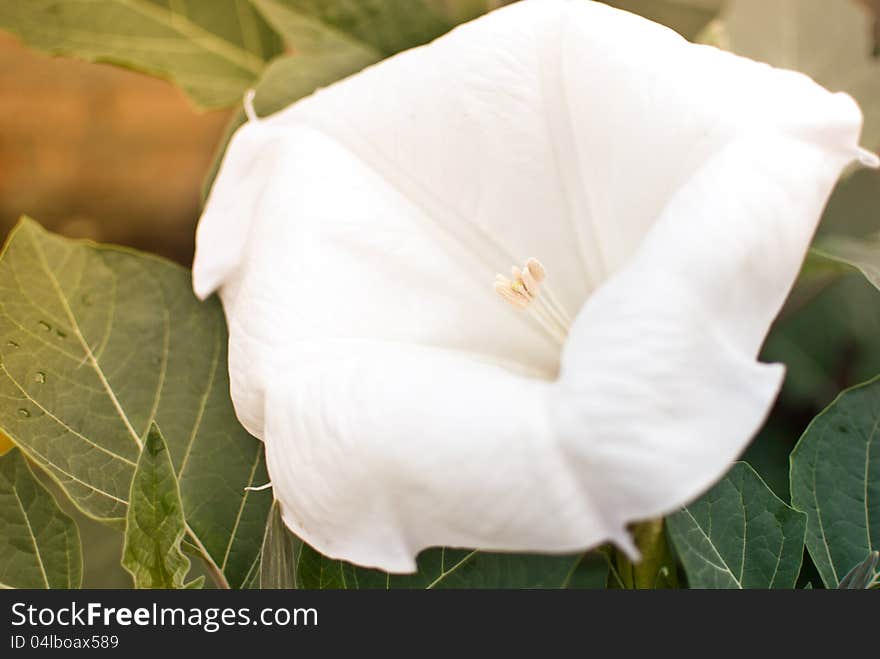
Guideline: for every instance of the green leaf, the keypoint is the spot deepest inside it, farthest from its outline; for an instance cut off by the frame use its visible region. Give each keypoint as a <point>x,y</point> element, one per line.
<point>39,543</point>
<point>591,573</point>
<point>829,40</point>
<point>332,39</point>
<point>827,345</point>
<point>288,562</point>
<point>863,254</point>
<point>739,535</point>
<point>835,480</point>
<point>278,556</point>
<point>450,568</point>
<point>212,50</point>
<point>154,525</point>
<point>378,28</point>
<point>98,343</point>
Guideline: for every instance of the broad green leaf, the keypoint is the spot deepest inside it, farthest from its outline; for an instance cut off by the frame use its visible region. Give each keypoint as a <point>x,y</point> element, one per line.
<point>591,573</point>
<point>39,543</point>
<point>768,454</point>
<point>378,28</point>
<point>98,343</point>
<point>829,344</point>
<point>860,253</point>
<point>154,525</point>
<point>288,79</point>
<point>212,50</point>
<point>278,557</point>
<point>739,535</point>
<point>450,568</point>
<point>332,39</point>
<point>835,480</point>
<point>829,40</point>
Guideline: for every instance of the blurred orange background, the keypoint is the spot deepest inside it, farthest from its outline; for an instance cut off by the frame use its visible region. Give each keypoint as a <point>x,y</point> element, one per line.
<point>95,151</point>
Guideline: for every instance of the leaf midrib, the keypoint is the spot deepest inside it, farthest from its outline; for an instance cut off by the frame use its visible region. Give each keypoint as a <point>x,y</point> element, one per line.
<point>33,537</point>
<point>714,549</point>
<point>83,343</point>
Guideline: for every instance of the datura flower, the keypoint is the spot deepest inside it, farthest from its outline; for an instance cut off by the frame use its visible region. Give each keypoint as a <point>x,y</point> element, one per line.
<point>648,203</point>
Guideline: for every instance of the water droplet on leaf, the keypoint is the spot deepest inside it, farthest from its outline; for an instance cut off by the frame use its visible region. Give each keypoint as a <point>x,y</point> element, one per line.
<point>40,377</point>
<point>46,326</point>
<point>23,412</point>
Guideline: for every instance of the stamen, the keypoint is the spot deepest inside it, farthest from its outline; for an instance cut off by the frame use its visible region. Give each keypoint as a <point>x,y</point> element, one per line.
<point>523,291</point>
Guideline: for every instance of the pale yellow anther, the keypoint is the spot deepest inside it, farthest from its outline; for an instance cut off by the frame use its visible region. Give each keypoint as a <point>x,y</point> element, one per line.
<point>522,287</point>
<point>529,281</point>
<point>505,288</point>
<point>536,269</point>
<point>518,287</point>
<point>523,292</point>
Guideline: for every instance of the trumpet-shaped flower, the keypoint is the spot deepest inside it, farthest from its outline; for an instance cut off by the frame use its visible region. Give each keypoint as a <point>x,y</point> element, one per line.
<point>648,203</point>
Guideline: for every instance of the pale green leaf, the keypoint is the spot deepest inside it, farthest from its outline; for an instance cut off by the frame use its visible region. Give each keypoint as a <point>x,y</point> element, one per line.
<point>39,543</point>
<point>739,535</point>
<point>835,480</point>
<point>154,525</point>
<point>213,50</point>
<point>829,40</point>
<point>99,342</point>
<point>862,254</point>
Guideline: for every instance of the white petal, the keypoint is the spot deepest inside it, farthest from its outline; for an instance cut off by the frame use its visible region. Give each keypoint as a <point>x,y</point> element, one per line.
<point>355,236</point>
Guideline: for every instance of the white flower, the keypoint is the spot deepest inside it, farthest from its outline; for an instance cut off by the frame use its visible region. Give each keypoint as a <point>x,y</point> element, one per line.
<point>670,191</point>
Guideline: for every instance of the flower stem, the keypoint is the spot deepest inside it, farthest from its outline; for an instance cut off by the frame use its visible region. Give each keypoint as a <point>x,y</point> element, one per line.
<point>657,567</point>
<point>214,570</point>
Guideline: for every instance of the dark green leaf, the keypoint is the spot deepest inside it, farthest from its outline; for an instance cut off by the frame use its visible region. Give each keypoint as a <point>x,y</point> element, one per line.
<point>154,526</point>
<point>99,342</point>
<point>835,480</point>
<point>212,50</point>
<point>862,254</point>
<point>590,573</point>
<point>739,535</point>
<point>831,343</point>
<point>450,568</point>
<point>39,543</point>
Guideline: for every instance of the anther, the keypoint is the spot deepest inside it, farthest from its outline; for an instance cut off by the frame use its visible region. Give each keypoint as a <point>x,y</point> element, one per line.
<point>523,291</point>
